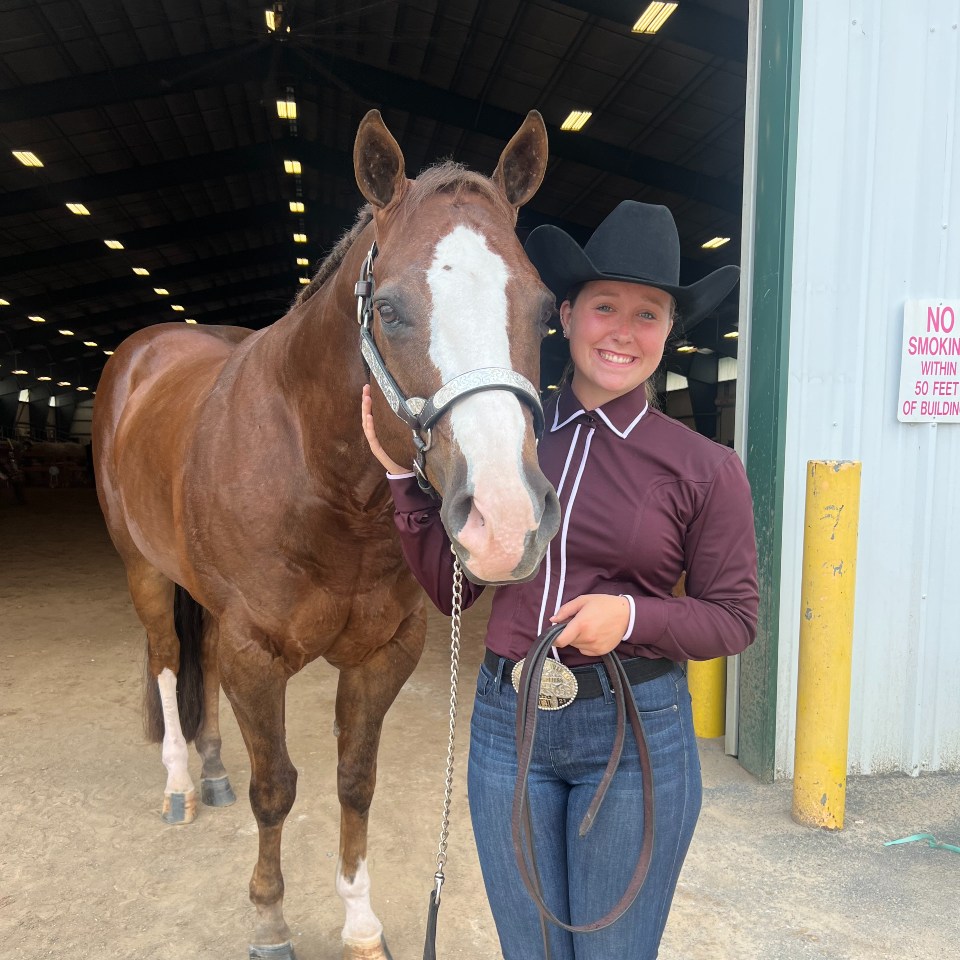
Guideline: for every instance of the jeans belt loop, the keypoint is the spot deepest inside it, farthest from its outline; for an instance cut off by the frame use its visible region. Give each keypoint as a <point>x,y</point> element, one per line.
<point>604,682</point>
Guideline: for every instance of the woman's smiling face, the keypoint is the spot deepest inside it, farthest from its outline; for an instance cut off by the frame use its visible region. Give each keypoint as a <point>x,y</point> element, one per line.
<point>617,332</point>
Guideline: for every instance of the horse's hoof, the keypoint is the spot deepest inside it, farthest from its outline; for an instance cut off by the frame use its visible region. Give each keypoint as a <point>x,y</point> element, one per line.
<point>179,808</point>
<point>217,793</point>
<point>375,950</point>
<point>274,951</point>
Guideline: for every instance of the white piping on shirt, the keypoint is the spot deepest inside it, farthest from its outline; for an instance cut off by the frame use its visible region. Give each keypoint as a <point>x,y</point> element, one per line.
<point>546,582</point>
<point>599,412</point>
<point>566,520</point>
<point>556,414</point>
<point>633,616</point>
<point>625,433</point>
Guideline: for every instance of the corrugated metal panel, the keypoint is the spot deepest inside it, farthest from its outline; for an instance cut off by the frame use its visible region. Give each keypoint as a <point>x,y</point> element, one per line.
<point>877,223</point>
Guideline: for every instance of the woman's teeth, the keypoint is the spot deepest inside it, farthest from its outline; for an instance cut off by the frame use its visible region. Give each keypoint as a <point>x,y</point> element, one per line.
<point>614,357</point>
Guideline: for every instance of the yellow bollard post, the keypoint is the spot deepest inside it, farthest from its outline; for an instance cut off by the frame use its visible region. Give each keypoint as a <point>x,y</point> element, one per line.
<point>826,642</point>
<point>707,680</point>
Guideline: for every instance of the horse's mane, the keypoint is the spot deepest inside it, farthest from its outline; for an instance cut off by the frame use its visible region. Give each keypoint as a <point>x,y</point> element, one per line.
<point>336,255</point>
<point>445,177</point>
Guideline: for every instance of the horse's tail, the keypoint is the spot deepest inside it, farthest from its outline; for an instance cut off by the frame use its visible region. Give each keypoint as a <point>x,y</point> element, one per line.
<point>188,619</point>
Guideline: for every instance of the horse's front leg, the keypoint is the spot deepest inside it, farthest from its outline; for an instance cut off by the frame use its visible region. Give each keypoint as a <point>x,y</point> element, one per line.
<point>256,683</point>
<point>364,695</point>
<point>215,789</point>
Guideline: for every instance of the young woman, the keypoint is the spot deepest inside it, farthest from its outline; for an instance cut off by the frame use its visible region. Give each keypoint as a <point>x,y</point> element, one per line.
<point>644,500</point>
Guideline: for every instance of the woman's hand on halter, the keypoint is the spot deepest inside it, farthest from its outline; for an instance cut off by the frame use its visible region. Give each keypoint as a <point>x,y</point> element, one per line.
<point>596,623</point>
<point>370,432</point>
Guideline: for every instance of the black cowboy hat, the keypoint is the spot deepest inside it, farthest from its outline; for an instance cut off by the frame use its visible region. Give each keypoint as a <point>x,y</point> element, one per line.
<point>637,243</point>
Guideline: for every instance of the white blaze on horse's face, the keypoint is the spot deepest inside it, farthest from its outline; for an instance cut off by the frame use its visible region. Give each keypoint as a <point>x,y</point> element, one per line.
<point>468,330</point>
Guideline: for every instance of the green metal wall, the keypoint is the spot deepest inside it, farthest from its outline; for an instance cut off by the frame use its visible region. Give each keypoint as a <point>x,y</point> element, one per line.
<point>778,96</point>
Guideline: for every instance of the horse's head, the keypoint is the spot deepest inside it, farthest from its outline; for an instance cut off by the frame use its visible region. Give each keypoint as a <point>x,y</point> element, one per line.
<point>453,293</point>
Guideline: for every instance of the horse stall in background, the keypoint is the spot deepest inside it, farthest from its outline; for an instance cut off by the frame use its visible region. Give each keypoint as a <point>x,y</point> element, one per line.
<point>239,490</point>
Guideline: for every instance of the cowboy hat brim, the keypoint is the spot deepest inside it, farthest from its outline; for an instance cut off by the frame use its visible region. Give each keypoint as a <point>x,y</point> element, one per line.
<point>562,264</point>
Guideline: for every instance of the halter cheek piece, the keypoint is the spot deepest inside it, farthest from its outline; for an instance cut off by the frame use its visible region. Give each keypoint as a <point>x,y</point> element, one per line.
<point>421,414</point>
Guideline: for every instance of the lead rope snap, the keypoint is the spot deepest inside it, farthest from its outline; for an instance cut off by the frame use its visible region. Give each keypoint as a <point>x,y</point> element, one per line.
<point>430,941</point>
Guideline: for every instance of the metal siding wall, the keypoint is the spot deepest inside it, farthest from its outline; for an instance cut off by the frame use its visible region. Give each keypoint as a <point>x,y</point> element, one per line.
<point>877,222</point>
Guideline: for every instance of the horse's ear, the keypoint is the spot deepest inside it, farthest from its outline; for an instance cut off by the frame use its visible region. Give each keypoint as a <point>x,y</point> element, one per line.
<point>378,161</point>
<point>523,161</point>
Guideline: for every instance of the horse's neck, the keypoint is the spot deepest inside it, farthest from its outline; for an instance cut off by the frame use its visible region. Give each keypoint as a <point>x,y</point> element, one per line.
<point>323,375</point>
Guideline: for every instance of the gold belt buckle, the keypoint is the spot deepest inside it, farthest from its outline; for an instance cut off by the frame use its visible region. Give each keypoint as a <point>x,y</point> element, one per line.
<point>558,684</point>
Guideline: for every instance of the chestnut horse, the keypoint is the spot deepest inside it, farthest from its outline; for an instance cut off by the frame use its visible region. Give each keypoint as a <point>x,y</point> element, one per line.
<point>233,472</point>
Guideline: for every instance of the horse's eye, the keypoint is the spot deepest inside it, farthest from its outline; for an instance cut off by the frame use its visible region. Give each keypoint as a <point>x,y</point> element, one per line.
<point>387,314</point>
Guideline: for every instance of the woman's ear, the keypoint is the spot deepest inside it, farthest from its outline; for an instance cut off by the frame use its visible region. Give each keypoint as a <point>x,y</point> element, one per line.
<point>565,318</point>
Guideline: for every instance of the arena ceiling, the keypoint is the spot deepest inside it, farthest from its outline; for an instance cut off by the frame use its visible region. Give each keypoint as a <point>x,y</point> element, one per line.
<point>160,117</point>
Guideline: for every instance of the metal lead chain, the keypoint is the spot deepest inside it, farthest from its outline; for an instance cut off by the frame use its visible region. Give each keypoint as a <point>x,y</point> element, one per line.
<point>454,671</point>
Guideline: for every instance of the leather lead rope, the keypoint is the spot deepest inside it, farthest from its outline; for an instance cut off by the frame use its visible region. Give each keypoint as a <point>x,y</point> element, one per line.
<point>521,821</point>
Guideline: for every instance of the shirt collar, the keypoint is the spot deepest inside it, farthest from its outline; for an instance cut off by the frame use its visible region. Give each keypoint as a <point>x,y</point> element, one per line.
<point>621,414</point>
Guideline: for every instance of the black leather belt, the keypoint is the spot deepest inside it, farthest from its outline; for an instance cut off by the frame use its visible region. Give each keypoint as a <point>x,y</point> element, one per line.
<point>638,670</point>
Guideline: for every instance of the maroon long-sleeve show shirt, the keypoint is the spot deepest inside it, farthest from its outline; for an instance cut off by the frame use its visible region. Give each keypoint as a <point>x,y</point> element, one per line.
<point>643,499</point>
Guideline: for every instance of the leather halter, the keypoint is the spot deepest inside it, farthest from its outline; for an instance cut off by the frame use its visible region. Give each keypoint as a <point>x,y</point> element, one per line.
<point>421,414</point>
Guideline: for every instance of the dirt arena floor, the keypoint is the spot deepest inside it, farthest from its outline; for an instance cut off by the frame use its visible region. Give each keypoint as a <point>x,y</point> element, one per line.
<point>88,869</point>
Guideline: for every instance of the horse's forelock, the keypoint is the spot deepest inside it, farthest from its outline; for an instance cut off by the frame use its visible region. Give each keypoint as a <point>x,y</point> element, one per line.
<point>449,177</point>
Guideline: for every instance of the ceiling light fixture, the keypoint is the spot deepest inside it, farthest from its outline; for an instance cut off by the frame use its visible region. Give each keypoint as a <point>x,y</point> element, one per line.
<point>27,158</point>
<point>296,206</point>
<point>20,372</point>
<point>108,353</point>
<point>83,388</point>
<point>686,348</point>
<point>44,379</point>
<point>291,166</point>
<point>304,280</point>
<point>303,262</point>
<point>576,119</point>
<point>161,292</point>
<point>4,303</point>
<point>731,335</point>
<point>274,18</point>
<point>189,320</point>
<point>141,271</point>
<point>66,333</point>
<point>287,109</point>
<point>63,383</point>
<point>177,307</point>
<point>37,319</point>
<point>299,238</point>
<point>654,17</point>
<point>114,244</point>
<point>90,343</point>
<point>79,209</point>
<point>714,243</point>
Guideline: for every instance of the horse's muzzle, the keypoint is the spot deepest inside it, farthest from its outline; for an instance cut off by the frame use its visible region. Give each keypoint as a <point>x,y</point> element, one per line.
<point>503,539</point>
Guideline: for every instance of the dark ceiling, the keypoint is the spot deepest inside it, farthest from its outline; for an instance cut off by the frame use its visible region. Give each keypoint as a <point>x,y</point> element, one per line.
<point>160,117</point>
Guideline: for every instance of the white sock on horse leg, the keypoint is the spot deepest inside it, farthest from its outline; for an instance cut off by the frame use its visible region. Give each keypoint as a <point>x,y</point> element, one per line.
<point>174,753</point>
<point>361,924</point>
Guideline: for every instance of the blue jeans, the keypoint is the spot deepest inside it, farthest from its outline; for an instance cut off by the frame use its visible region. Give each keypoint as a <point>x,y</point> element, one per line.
<point>583,878</point>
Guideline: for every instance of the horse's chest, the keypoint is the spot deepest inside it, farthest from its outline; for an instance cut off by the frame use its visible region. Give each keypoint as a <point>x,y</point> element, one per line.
<point>346,625</point>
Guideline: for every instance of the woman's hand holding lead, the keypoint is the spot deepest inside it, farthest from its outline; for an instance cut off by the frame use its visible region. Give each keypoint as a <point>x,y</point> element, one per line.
<point>370,432</point>
<point>596,623</point>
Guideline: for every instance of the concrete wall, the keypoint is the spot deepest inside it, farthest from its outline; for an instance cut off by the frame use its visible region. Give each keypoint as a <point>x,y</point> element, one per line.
<point>877,222</point>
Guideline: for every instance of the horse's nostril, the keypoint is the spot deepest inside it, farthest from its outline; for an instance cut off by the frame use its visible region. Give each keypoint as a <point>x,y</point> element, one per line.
<point>459,512</point>
<point>476,515</point>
